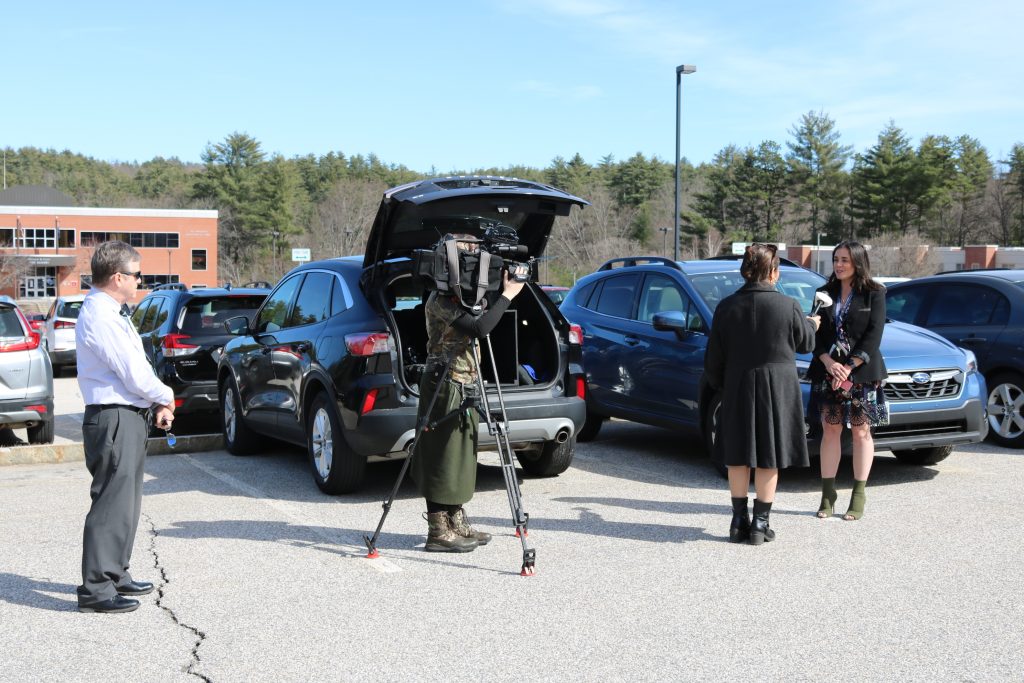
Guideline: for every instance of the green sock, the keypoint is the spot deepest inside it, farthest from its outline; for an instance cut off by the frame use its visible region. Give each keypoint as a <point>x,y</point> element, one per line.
<point>857,499</point>
<point>828,496</point>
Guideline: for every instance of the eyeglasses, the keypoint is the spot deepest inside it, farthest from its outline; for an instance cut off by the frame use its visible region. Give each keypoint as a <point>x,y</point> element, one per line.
<point>137,274</point>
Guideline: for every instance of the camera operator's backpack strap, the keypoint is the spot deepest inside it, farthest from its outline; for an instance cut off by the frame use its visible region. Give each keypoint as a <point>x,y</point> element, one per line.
<point>482,269</point>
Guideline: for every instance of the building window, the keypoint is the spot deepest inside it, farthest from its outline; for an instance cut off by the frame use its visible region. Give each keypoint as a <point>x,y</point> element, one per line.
<point>151,281</point>
<point>6,237</point>
<point>38,238</point>
<point>85,280</point>
<point>198,259</point>
<point>67,239</point>
<point>142,240</point>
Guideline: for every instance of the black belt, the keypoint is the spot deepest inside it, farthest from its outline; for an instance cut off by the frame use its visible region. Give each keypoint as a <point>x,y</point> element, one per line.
<point>109,406</point>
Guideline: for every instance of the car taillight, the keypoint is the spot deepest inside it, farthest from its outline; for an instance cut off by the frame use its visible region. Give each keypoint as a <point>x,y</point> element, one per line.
<point>174,345</point>
<point>369,402</point>
<point>38,408</point>
<point>30,341</point>
<point>63,324</point>
<point>581,388</point>
<point>37,325</point>
<point>368,343</point>
<point>576,335</point>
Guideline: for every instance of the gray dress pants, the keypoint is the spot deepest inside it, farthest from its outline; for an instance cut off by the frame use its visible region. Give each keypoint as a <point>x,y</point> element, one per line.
<point>115,452</point>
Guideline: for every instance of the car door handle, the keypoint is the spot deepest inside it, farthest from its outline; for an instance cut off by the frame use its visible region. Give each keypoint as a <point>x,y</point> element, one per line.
<point>972,340</point>
<point>631,341</point>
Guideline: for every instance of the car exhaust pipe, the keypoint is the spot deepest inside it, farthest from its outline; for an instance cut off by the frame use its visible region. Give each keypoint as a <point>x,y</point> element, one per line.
<point>562,436</point>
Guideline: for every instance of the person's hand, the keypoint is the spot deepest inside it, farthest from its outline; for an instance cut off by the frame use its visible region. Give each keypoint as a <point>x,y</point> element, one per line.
<point>164,417</point>
<point>838,371</point>
<point>816,319</point>
<point>511,288</point>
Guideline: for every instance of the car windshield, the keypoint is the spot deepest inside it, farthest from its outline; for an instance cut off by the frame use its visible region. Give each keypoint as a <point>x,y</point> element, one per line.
<point>799,284</point>
<point>69,309</point>
<point>206,315</point>
<point>556,295</point>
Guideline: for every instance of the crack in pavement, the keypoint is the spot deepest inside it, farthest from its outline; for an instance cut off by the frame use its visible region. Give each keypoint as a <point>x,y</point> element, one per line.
<point>200,636</point>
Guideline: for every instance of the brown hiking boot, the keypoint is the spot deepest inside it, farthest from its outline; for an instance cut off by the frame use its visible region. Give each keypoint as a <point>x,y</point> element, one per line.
<point>441,538</point>
<point>460,525</point>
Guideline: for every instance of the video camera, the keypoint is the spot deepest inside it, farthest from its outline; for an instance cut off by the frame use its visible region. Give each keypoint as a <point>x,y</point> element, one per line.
<point>471,274</point>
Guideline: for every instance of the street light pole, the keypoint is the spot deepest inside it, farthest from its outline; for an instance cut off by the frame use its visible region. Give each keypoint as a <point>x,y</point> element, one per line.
<point>664,240</point>
<point>680,70</point>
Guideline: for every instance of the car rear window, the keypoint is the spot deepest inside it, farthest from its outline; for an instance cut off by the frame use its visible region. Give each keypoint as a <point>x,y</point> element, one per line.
<point>10,323</point>
<point>69,309</point>
<point>206,315</point>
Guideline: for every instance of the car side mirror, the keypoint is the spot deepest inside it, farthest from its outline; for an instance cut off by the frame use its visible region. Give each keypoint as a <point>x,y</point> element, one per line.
<point>237,326</point>
<point>670,320</point>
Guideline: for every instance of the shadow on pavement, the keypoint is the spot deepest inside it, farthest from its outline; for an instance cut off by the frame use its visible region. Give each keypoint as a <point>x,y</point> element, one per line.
<point>22,590</point>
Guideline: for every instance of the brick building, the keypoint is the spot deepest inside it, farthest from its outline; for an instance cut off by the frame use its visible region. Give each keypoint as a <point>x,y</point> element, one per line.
<point>46,243</point>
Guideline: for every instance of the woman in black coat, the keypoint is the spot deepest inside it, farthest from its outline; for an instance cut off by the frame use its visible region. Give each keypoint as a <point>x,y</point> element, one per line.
<point>751,360</point>
<point>847,372</point>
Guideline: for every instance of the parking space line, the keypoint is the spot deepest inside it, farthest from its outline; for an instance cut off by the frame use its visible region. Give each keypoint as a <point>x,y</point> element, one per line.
<point>380,564</point>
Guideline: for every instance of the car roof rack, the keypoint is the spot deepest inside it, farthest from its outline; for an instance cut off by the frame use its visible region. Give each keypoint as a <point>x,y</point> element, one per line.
<point>180,286</point>
<point>737,257</point>
<point>631,261</point>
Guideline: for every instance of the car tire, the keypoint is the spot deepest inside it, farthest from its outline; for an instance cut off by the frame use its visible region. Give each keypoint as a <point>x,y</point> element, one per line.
<point>41,433</point>
<point>552,459</point>
<point>336,467</point>
<point>924,456</point>
<point>590,428</point>
<point>239,439</point>
<point>1006,409</point>
<point>711,430</point>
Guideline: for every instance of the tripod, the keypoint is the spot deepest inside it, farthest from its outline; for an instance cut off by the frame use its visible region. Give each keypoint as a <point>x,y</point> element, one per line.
<point>497,427</point>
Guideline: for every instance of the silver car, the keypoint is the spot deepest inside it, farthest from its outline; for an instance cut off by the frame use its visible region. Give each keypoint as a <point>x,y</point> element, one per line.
<point>26,377</point>
<point>59,331</point>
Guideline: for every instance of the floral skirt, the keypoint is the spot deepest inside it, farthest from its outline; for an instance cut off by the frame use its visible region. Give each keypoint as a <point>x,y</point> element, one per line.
<point>859,405</point>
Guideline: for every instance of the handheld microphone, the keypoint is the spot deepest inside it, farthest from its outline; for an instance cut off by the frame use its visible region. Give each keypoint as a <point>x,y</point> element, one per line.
<point>821,300</point>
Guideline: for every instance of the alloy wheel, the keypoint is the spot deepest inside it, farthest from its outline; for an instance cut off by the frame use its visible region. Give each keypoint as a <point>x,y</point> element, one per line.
<point>323,443</point>
<point>229,414</point>
<point>1005,405</point>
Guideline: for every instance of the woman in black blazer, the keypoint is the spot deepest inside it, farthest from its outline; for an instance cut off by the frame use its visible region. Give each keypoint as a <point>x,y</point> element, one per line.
<point>751,361</point>
<point>847,372</point>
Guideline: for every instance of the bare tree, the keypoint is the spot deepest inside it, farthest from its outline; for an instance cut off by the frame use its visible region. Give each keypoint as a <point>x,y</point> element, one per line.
<point>341,223</point>
<point>590,236</point>
<point>897,255</point>
<point>12,269</point>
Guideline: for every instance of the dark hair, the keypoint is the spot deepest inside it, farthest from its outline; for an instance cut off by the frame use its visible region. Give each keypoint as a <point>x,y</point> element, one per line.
<point>862,280</point>
<point>110,258</point>
<point>759,262</point>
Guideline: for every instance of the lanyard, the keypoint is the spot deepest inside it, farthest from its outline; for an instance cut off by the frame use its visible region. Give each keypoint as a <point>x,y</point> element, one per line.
<point>844,308</point>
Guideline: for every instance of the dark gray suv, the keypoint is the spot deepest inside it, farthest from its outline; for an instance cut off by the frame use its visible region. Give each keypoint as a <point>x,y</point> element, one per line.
<point>332,360</point>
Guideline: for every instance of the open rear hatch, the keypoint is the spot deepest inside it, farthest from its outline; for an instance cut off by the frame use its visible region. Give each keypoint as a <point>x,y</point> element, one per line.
<point>415,216</point>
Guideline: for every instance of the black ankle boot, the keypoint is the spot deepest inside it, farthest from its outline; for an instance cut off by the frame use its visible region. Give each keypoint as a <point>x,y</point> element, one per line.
<point>739,530</point>
<point>759,529</point>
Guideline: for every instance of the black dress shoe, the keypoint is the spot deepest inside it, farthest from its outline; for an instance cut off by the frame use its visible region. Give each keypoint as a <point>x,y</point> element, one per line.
<point>112,606</point>
<point>135,588</point>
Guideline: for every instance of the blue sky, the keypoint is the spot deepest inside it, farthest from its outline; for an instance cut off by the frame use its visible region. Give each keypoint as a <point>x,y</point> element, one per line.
<point>464,85</point>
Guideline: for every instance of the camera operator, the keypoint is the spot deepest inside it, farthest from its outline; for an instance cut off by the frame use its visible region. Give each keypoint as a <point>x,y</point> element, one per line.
<point>444,466</point>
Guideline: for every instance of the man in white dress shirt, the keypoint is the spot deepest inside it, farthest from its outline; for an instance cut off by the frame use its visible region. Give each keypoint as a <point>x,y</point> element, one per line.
<point>119,388</point>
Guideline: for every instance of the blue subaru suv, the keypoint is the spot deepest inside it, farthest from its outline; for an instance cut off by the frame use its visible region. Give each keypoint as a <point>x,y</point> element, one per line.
<point>645,323</point>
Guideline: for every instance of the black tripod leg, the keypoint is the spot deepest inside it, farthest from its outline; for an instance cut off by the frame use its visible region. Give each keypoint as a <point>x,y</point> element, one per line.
<point>515,497</point>
<point>421,426</point>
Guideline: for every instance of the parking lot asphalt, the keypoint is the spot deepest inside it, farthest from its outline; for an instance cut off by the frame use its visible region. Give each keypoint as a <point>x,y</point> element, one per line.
<point>263,578</point>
